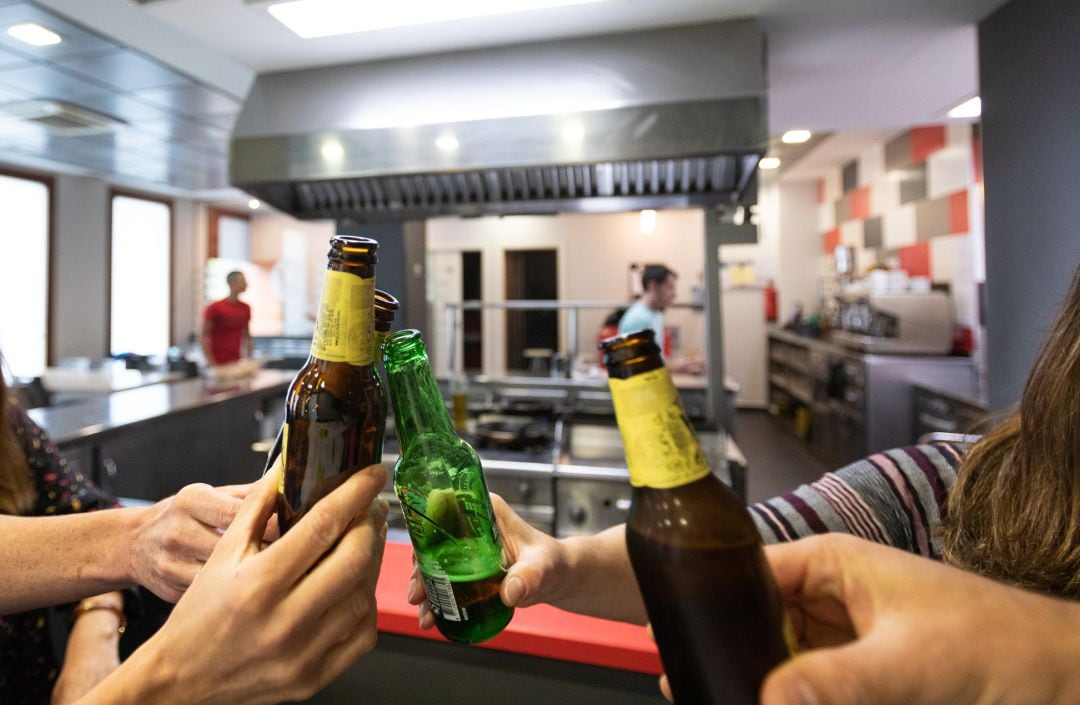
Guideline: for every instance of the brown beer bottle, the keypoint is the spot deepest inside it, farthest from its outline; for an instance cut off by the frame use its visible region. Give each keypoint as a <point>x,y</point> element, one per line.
<point>335,409</point>
<point>712,601</point>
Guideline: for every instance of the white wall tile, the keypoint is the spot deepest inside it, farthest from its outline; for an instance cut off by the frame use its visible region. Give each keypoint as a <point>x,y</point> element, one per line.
<point>834,185</point>
<point>948,171</point>
<point>826,216</point>
<point>851,233</point>
<point>898,226</point>
<point>942,258</point>
<point>884,196</point>
<point>872,165</point>
<point>958,134</point>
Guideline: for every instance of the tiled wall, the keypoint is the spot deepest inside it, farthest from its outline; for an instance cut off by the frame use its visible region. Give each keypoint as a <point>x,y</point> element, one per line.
<point>915,200</point>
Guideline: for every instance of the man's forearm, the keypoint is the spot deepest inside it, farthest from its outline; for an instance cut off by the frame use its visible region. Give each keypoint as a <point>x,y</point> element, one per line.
<point>52,560</point>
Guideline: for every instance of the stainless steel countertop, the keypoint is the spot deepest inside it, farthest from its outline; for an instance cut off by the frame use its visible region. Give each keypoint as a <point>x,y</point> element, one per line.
<point>77,420</point>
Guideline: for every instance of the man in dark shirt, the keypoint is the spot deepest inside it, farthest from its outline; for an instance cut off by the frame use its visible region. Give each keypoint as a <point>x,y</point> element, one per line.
<point>226,336</point>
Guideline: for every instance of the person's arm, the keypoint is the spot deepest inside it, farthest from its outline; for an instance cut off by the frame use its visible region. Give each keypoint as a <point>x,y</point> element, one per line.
<point>589,575</point>
<point>204,337</point>
<point>896,498</point>
<point>247,345</point>
<point>92,651</point>
<point>264,625</point>
<point>59,559</point>
<point>890,628</point>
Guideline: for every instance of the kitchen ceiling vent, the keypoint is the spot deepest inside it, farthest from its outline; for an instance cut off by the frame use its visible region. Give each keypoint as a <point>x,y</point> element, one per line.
<point>61,118</point>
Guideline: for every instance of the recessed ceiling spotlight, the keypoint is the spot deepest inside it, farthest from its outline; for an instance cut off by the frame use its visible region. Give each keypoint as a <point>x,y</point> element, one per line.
<point>970,108</point>
<point>254,204</point>
<point>310,19</point>
<point>34,34</point>
<point>647,222</point>
<point>574,133</point>
<point>769,163</point>
<point>332,151</point>
<point>796,136</point>
<point>447,143</point>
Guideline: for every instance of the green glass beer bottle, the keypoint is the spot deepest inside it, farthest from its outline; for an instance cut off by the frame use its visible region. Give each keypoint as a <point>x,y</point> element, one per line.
<point>444,498</point>
<point>712,601</point>
<point>335,408</point>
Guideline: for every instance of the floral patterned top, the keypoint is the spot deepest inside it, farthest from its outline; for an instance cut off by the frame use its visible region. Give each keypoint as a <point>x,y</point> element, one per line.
<point>28,662</point>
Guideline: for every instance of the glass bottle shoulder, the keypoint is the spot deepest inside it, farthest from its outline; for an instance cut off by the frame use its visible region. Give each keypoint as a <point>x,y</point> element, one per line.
<point>704,511</point>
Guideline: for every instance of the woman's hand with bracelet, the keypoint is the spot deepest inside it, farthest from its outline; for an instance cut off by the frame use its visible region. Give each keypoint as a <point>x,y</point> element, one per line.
<point>93,646</point>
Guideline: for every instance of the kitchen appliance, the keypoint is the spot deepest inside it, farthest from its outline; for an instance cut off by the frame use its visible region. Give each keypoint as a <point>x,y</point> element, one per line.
<point>889,323</point>
<point>611,123</point>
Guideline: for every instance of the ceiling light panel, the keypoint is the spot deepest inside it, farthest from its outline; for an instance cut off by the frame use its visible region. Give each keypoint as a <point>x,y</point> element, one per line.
<point>310,19</point>
<point>34,34</point>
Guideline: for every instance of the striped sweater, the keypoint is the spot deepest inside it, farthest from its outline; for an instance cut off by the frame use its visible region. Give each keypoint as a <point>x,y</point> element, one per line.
<point>896,497</point>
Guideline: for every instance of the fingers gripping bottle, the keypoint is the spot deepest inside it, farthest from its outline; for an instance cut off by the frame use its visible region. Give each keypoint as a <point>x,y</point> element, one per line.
<point>712,601</point>
<point>335,410</point>
<point>444,498</point>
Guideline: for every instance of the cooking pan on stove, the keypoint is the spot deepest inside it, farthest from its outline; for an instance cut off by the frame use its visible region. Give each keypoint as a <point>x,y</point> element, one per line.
<point>511,432</point>
<point>528,407</point>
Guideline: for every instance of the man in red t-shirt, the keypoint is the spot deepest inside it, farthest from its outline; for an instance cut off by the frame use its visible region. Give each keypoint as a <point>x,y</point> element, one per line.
<point>226,336</point>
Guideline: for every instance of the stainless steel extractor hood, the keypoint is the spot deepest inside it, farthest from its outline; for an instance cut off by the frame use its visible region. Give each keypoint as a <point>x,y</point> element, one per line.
<point>666,118</point>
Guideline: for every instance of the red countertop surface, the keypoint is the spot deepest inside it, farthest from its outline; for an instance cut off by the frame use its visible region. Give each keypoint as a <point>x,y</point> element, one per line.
<point>540,630</point>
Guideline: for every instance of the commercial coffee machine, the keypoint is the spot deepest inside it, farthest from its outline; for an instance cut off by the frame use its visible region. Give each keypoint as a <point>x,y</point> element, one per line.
<point>896,323</point>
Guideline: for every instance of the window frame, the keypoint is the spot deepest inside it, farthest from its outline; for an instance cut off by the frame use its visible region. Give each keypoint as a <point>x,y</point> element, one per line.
<point>49,181</point>
<point>115,192</point>
<point>214,214</point>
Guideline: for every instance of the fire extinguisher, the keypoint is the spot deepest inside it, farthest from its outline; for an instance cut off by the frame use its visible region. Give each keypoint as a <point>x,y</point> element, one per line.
<point>770,302</point>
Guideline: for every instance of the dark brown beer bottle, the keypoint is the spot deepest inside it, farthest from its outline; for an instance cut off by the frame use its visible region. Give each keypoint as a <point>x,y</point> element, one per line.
<point>335,409</point>
<point>386,305</point>
<point>712,601</point>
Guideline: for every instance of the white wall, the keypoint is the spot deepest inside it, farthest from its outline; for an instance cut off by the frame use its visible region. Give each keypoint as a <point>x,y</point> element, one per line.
<point>594,254</point>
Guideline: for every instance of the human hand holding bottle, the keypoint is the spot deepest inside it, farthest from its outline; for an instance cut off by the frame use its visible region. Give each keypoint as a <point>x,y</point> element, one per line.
<point>588,574</point>
<point>263,624</point>
<point>890,628</point>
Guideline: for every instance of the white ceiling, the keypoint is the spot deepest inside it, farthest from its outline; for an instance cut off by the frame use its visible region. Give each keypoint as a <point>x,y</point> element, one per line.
<point>834,65</point>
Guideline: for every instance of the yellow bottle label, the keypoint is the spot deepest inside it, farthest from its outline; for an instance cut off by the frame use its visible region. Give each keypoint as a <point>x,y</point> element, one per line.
<point>345,326</point>
<point>284,450</point>
<point>377,341</point>
<point>661,448</point>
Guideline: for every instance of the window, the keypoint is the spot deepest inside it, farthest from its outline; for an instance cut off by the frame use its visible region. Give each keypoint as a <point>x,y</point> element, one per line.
<point>24,274</point>
<point>140,302</point>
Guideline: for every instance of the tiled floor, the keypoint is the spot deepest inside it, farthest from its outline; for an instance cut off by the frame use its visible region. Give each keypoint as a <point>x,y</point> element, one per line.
<point>777,461</point>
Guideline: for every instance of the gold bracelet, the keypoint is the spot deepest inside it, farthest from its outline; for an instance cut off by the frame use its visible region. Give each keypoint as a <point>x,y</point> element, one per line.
<point>92,605</point>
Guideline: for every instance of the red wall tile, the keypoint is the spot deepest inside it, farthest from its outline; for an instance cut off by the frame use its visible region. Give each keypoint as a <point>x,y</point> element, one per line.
<point>925,141</point>
<point>915,259</point>
<point>832,239</point>
<point>958,212</point>
<point>860,203</point>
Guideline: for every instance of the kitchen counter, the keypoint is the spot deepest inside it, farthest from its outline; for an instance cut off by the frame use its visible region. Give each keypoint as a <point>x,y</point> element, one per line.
<point>148,442</point>
<point>103,380</point>
<point>102,414</point>
<point>540,630</point>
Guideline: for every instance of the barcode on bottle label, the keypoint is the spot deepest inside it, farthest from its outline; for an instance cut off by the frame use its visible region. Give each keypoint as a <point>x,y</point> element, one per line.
<point>441,596</point>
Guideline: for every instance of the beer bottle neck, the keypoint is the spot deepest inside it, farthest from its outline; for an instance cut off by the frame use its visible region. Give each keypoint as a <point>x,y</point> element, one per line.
<point>344,325</point>
<point>418,404</point>
<point>661,449</point>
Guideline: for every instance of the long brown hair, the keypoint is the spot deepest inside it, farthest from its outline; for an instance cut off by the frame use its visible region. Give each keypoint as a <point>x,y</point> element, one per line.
<point>1014,513</point>
<point>17,494</point>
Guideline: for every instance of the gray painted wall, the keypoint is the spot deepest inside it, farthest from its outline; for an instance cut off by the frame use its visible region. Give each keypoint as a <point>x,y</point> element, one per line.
<point>1029,61</point>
